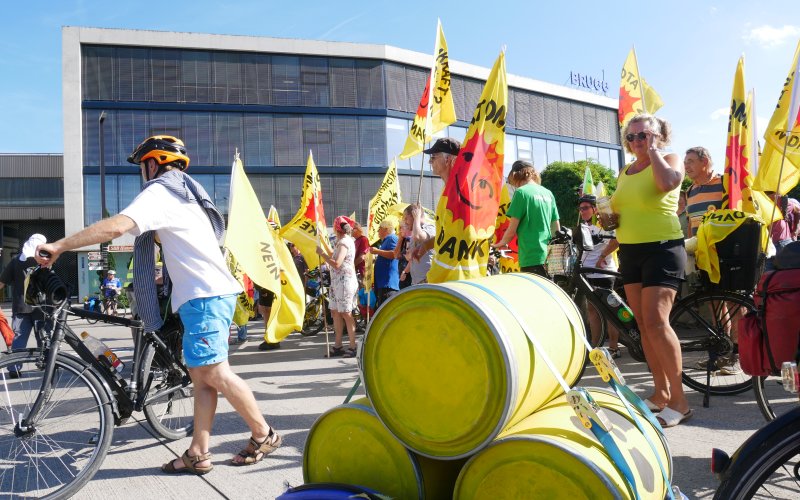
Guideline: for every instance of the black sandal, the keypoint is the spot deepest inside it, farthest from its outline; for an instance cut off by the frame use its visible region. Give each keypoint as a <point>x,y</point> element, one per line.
<point>335,351</point>
<point>350,353</point>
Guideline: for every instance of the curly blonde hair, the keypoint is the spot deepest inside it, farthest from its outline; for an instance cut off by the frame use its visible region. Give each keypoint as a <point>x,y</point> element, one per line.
<point>654,123</point>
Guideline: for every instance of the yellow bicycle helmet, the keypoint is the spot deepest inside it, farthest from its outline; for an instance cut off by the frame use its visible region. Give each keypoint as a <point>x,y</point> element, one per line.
<point>164,149</point>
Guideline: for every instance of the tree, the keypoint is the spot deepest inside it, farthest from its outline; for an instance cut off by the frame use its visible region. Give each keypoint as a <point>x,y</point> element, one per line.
<point>564,179</point>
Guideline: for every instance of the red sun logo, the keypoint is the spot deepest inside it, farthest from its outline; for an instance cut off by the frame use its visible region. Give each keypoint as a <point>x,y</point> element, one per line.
<point>314,210</point>
<point>626,103</point>
<point>736,170</point>
<point>473,189</point>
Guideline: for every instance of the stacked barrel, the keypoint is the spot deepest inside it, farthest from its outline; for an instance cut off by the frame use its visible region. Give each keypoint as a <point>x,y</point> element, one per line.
<point>461,404</point>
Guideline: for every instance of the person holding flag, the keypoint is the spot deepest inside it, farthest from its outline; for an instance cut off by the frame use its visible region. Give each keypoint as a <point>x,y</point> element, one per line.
<point>344,285</point>
<point>177,209</point>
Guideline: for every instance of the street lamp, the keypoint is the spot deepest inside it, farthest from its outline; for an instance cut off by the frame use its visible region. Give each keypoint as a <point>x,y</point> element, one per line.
<point>103,246</point>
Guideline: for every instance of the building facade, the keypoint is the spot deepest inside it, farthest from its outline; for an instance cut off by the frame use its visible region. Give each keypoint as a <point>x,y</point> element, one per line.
<point>273,101</point>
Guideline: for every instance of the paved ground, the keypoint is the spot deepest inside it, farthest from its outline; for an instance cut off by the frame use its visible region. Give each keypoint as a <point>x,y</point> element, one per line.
<point>295,384</point>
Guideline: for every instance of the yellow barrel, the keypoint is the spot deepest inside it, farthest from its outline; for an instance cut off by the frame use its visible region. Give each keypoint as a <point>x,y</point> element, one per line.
<point>349,445</point>
<point>447,367</point>
<point>551,455</point>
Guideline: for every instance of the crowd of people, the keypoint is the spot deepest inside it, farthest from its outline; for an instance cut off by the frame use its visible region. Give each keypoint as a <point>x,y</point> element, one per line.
<point>654,218</point>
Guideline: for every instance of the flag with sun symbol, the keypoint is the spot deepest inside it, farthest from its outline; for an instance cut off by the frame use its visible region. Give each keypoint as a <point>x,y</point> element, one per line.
<point>635,95</point>
<point>467,210</point>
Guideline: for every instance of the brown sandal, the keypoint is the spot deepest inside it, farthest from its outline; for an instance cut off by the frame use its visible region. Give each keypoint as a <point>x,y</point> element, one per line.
<point>255,451</point>
<point>189,463</point>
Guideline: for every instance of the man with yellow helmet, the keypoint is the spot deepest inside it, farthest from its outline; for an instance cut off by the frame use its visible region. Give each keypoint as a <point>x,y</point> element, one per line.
<point>176,211</point>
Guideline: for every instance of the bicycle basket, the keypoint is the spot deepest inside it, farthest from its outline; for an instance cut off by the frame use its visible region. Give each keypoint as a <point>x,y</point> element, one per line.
<point>560,259</point>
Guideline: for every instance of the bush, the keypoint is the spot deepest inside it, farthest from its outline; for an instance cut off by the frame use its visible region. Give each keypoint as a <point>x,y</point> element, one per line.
<point>564,179</point>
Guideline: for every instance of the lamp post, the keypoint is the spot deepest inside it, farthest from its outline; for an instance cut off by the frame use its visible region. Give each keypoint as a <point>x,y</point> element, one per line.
<point>103,246</point>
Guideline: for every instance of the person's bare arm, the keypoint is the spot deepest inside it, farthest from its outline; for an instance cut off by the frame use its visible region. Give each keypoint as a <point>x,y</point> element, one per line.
<point>513,223</point>
<point>667,169</point>
<point>104,230</point>
<point>555,227</point>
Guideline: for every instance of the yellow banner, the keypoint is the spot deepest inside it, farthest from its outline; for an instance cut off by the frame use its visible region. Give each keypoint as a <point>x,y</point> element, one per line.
<point>630,92</point>
<point>248,236</point>
<point>769,167</point>
<point>287,314</point>
<point>508,264</point>
<point>273,217</point>
<point>467,209</point>
<point>307,228</point>
<point>436,109</point>
<point>245,304</point>
<point>388,195</point>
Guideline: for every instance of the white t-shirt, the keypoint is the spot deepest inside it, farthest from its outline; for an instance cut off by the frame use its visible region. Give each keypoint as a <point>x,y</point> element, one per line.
<point>591,258</point>
<point>191,251</point>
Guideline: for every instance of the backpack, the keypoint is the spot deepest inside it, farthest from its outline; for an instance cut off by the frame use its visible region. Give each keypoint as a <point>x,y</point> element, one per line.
<point>770,335</point>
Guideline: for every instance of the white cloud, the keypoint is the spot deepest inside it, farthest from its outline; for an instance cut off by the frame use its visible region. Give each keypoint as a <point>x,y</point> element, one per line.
<point>768,36</point>
<point>720,113</point>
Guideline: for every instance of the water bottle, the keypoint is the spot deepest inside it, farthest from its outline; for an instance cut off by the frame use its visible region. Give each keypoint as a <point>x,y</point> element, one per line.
<point>100,350</point>
<point>616,304</point>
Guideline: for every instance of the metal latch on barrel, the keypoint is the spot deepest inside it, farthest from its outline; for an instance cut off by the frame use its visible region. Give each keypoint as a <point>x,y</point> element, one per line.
<point>605,365</point>
<point>587,409</point>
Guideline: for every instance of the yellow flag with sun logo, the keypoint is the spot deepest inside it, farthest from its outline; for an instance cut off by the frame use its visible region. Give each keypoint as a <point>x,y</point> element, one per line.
<point>467,210</point>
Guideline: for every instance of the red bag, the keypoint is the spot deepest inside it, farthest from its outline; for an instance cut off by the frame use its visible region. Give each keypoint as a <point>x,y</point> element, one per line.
<point>5,330</point>
<point>770,335</point>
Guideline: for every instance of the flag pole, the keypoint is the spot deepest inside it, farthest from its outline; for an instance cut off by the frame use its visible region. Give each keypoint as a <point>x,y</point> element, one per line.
<point>426,135</point>
<point>639,76</point>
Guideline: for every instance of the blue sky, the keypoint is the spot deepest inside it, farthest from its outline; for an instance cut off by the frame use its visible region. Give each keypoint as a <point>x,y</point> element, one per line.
<point>687,49</point>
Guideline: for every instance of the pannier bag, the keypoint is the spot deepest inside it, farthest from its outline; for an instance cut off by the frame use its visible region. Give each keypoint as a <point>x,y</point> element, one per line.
<point>770,335</point>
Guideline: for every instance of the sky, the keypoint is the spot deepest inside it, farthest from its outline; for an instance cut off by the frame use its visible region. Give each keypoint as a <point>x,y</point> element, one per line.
<point>687,50</point>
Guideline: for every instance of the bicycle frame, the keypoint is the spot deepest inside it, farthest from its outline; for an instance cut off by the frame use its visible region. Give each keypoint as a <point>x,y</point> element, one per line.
<point>124,397</point>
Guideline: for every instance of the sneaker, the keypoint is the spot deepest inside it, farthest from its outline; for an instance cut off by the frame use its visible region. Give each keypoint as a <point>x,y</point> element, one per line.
<point>269,346</point>
<point>615,353</point>
<point>236,341</point>
<point>729,365</point>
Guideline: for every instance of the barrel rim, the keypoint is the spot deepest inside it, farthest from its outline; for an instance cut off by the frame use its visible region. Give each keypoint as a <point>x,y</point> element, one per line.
<point>491,321</point>
<point>598,472</point>
<point>369,410</point>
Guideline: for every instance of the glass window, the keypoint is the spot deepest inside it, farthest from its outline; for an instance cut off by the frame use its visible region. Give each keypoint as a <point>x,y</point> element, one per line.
<point>553,152</point>
<point>372,141</point>
<point>222,190</point>
<point>567,154</point>
<point>539,154</point>
<point>196,76</point>
<point>227,78</point>
<point>258,140</point>
<point>603,157</point>
<point>315,88</point>
<point>207,181</point>
<point>286,80</point>
<point>396,135</point>
<point>592,154</point>
<point>345,141</point>
<point>91,199</point>
<point>524,151</point>
<point>128,186</point>
<point>457,132</point>
<point>615,160</point>
<point>227,137</point>
<point>198,135</point>
<point>509,153</point>
<point>580,152</point>
<point>317,138</point>
<point>31,192</point>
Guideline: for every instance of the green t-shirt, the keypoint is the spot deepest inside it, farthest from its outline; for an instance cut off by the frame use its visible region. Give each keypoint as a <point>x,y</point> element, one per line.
<point>535,207</point>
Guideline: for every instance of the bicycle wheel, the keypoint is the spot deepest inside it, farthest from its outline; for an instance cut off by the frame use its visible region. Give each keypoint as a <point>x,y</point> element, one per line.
<point>593,320</point>
<point>705,323</point>
<point>71,437</point>
<point>169,406</point>
<point>313,321</point>
<point>772,399</point>
<point>767,469</point>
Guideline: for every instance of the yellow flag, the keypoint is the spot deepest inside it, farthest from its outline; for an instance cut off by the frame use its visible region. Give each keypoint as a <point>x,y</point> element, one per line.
<point>307,228</point>
<point>369,274</point>
<point>273,217</point>
<point>388,194</point>
<point>467,209</point>
<point>287,313</point>
<point>248,236</point>
<point>436,109</point>
<point>776,138</point>
<point>508,264</point>
<point>245,303</point>
<point>630,92</point>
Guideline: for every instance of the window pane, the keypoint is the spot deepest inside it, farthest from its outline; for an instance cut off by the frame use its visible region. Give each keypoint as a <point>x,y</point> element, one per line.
<point>345,141</point>
<point>396,135</point>
<point>207,181</point>
<point>227,137</point>
<point>615,160</point>
<point>317,138</point>
<point>258,140</point>
<point>91,199</point>
<point>553,152</point>
<point>372,141</point>
<point>222,189</point>
<point>592,154</point>
<point>604,158</point>
<point>580,152</point>
<point>567,152</point>
<point>457,133</point>
<point>524,148</point>
<point>128,187</point>
<point>509,153</point>
<point>539,154</point>
<point>314,85</point>
<point>286,80</point>
<point>31,192</point>
<point>198,135</point>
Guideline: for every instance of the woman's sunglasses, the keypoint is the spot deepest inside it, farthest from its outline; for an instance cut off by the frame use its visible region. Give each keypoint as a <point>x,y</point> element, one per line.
<point>641,136</point>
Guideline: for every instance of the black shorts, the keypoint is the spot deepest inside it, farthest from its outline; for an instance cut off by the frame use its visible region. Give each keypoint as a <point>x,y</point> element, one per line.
<point>265,298</point>
<point>606,282</point>
<point>661,263</point>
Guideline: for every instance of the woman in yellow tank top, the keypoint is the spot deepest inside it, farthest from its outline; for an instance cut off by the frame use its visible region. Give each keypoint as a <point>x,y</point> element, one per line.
<point>652,256</point>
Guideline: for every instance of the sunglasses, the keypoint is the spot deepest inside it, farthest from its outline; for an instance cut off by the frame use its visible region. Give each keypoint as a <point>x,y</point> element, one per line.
<point>641,136</point>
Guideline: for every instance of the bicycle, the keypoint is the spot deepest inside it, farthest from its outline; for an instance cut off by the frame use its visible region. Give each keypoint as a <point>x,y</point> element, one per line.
<point>316,289</point>
<point>57,414</point>
<point>767,465</point>
<point>702,321</point>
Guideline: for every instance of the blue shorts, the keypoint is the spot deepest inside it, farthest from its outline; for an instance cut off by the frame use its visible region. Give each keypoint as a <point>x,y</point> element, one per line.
<point>206,324</point>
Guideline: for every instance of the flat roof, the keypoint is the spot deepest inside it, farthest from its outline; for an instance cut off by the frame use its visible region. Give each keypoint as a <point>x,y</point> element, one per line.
<point>243,43</point>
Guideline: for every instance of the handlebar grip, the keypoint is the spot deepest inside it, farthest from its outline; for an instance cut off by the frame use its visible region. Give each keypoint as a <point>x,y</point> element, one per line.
<point>45,254</point>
